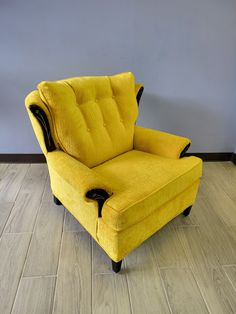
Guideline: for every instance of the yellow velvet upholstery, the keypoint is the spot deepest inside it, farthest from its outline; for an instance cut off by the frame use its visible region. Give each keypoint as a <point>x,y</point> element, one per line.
<point>159,143</point>
<point>142,182</point>
<point>101,112</point>
<point>70,180</point>
<point>118,244</point>
<point>98,146</point>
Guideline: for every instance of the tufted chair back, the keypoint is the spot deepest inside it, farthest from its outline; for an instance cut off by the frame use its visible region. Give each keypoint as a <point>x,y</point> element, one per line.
<point>92,117</point>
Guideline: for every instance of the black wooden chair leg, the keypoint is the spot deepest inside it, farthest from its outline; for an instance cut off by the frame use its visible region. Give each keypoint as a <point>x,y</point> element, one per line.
<point>116,266</point>
<point>56,200</point>
<point>187,211</point>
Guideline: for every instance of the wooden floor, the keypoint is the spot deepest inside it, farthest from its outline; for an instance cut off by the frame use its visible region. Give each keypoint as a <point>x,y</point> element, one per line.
<point>48,264</point>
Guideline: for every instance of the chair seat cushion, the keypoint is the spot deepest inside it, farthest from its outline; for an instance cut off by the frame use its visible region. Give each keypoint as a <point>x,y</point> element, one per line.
<point>141,183</point>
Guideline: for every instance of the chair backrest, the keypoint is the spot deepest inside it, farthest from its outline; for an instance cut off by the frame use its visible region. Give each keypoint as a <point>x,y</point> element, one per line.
<point>92,117</point>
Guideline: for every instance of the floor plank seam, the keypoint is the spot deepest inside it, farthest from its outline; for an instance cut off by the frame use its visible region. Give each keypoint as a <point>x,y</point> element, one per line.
<point>40,276</point>
<point>14,202</point>
<point>207,307</point>
<point>190,267</point>
<point>165,292</point>
<point>74,231</point>
<point>21,276</point>
<point>40,202</point>
<point>6,220</point>
<point>2,174</point>
<point>229,279</point>
<point>128,287</point>
<point>58,265</point>
<point>187,226</point>
<point>26,232</point>
<point>174,267</point>
<point>162,282</point>
<point>22,184</point>
<point>30,241</point>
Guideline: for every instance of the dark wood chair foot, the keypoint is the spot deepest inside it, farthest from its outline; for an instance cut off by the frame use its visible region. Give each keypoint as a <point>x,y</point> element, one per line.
<point>56,200</point>
<point>187,211</point>
<point>116,266</point>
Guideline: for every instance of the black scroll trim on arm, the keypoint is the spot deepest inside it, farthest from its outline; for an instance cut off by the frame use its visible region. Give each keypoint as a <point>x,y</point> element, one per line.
<point>100,196</point>
<point>139,94</point>
<point>184,150</point>
<point>41,116</point>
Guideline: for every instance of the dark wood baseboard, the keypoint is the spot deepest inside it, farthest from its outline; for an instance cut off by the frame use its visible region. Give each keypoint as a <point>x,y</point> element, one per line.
<point>212,156</point>
<point>39,158</point>
<point>233,159</point>
<point>22,158</point>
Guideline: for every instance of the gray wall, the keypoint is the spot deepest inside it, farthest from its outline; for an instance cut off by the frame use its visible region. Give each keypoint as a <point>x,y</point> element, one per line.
<point>184,51</point>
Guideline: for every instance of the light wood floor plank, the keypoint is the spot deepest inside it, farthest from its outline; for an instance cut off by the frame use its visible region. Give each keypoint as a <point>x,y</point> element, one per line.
<point>47,194</point>
<point>5,210</point>
<point>110,291</point>
<point>182,290</point>
<point>220,201</point>
<point>43,255</point>
<point>72,224</point>
<point>215,234</point>
<point>101,263</point>
<point>24,212</point>
<point>167,248</point>
<point>230,271</point>
<point>216,289</point>
<point>73,288</point>
<point>12,181</point>
<point>191,220</point>
<point>222,174</point>
<point>229,173</point>
<point>110,294</point>
<point>13,250</point>
<point>35,295</point>
<point>3,168</point>
<point>144,282</point>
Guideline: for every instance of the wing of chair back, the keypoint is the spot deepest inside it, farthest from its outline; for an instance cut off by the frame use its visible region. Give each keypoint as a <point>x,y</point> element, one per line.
<point>90,184</point>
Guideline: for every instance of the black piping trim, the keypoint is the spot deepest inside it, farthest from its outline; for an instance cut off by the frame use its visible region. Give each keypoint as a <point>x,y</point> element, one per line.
<point>100,196</point>
<point>41,116</point>
<point>139,94</point>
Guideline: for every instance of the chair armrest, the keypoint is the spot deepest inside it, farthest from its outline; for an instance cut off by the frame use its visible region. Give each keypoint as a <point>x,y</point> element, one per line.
<point>73,172</point>
<point>160,143</point>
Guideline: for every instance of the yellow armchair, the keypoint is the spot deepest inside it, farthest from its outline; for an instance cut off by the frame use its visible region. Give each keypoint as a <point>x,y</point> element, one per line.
<point>122,182</point>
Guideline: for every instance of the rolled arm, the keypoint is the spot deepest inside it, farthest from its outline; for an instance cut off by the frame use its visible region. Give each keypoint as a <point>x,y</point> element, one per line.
<point>160,143</point>
<point>73,172</point>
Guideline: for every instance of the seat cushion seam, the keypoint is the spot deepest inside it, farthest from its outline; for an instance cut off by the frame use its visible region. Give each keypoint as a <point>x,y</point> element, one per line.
<point>170,200</point>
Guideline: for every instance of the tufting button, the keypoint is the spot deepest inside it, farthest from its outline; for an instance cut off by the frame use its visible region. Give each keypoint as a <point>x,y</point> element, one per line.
<point>104,124</point>
<point>88,129</point>
<point>96,100</point>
